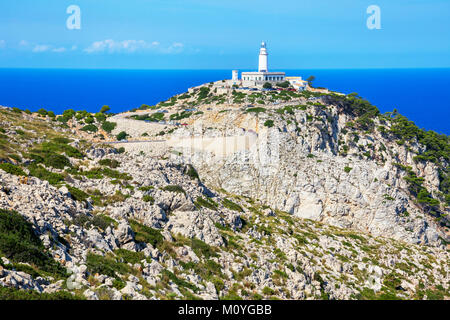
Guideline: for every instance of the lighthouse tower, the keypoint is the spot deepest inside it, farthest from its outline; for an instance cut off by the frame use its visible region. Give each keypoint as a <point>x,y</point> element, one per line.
<point>263,58</point>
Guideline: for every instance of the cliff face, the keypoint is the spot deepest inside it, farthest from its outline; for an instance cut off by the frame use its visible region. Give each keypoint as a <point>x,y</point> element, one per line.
<point>312,164</point>
<point>310,198</point>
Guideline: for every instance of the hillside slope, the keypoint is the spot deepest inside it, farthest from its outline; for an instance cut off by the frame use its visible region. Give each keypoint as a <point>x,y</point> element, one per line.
<point>331,201</point>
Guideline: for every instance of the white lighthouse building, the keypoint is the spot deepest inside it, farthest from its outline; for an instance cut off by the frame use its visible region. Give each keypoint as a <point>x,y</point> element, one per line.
<point>263,75</point>
<point>262,67</point>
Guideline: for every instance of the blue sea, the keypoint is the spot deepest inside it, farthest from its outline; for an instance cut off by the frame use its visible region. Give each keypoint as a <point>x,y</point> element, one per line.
<point>423,95</point>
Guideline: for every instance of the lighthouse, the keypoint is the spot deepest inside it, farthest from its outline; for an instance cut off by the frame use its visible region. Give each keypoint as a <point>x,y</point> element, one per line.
<point>262,67</point>
<point>255,78</point>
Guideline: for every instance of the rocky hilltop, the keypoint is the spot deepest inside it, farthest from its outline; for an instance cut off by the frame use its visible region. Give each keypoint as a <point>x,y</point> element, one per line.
<point>224,194</point>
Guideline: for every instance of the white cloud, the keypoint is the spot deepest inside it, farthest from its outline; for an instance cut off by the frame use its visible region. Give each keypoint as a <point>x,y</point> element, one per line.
<point>74,47</point>
<point>2,43</point>
<point>130,46</point>
<point>111,46</point>
<point>23,43</point>
<point>41,48</point>
<point>59,50</point>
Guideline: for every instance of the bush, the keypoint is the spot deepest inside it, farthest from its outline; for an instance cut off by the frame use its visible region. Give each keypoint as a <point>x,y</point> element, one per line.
<point>77,194</point>
<point>269,123</point>
<point>109,126</point>
<point>192,173</point>
<point>208,203</point>
<point>268,291</point>
<point>148,198</point>
<point>19,243</point>
<point>100,117</point>
<point>112,163</point>
<point>130,256</point>
<point>232,206</point>
<point>202,249</point>
<point>122,136</point>
<point>12,169</point>
<point>174,188</point>
<point>267,85</point>
<point>58,147</point>
<point>18,294</point>
<point>105,109</point>
<point>179,282</point>
<point>146,234</point>
<point>57,161</point>
<point>108,266</point>
<point>255,110</point>
<point>90,128</point>
<point>347,169</point>
<point>42,112</point>
<point>43,174</point>
<point>284,84</point>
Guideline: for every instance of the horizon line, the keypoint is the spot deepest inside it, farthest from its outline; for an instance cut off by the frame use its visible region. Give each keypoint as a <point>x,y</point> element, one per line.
<point>219,69</point>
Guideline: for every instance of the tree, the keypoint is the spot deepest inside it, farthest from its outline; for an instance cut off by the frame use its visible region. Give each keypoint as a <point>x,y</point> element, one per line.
<point>121,136</point>
<point>284,84</point>
<point>105,109</point>
<point>310,80</point>
<point>267,85</point>
<point>108,126</point>
<point>42,112</point>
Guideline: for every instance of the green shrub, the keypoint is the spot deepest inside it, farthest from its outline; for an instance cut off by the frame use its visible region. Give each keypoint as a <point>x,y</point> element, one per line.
<point>90,128</point>
<point>206,203</point>
<point>268,291</point>
<point>103,222</point>
<point>192,173</point>
<point>130,256</point>
<point>89,120</point>
<point>9,294</point>
<point>42,112</point>
<point>112,163</point>
<point>284,84</point>
<point>255,110</point>
<point>109,126</point>
<point>146,188</point>
<point>122,136</point>
<point>12,169</point>
<point>43,174</point>
<point>77,194</point>
<point>100,117</point>
<point>59,147</point>
<point>105,109</point>
<point>19,243</point>
<point>347,169</point>
<point>268,123</point>
<point>57,161</point>
<point>179,282</point>
<point>148,198</point>
<point>174,188</point>
<point>146,234</point>
<point>107,265</point>
<point>202,249</point>
<point>232,206</point>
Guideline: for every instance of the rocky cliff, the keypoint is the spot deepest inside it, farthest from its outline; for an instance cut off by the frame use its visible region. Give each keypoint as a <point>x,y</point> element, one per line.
<point>324,198</point>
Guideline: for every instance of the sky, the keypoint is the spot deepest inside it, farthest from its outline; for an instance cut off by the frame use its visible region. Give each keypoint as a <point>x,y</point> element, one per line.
<point>211,34</point>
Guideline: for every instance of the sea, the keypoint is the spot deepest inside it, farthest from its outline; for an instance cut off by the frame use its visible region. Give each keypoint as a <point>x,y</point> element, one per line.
<point>423,95</point>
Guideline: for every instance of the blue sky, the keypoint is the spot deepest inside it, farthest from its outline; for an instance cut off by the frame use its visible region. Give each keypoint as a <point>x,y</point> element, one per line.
<point>211,34</point>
